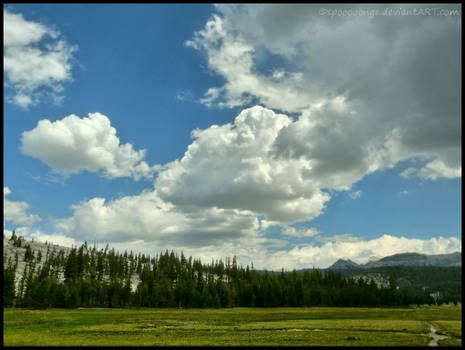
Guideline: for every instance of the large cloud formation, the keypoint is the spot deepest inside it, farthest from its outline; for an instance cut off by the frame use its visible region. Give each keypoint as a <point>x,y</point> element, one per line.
<point>74,144</point>
<point>370,91</point>
<point>147,217</point>
<point>233,166</point>
<point>354,95</point>
<point>228,176</point>
<point>35,57</point>
<point>222,195</point>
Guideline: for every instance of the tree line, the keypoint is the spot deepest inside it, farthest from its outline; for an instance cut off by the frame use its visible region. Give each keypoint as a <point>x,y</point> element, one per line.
<point>88,277</point>
<point>447,280</point>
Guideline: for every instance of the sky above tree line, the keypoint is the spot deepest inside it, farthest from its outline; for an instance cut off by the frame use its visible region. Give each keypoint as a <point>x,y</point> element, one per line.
<point>287,135</point>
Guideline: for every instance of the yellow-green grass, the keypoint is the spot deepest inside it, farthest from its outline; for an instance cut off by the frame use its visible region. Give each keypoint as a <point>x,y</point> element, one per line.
<point>452,329</point>
<point>450,342</point>
<point>237,326</point>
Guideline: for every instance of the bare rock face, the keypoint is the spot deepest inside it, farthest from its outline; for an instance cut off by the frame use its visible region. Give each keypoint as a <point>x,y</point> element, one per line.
<point>10,251</point>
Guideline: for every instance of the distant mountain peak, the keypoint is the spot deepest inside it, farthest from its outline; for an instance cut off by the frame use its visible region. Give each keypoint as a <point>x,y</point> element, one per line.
<point>417,259</point>
<point>402,259</point>
<point>343,264</point>
<point>373,258</point>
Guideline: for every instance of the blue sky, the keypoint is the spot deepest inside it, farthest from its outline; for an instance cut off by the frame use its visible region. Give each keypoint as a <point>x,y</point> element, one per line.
<point>269,131</point>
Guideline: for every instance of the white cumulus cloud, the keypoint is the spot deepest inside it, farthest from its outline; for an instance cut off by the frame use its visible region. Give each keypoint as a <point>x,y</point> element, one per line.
<point>35,57</point>
<point>233,166</point>
<point>148,218</point>
<point>16,212</point>
<point>74,144</point>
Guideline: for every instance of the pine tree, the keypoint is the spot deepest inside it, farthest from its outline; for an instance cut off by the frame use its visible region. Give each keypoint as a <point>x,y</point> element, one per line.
<point>9,285</point>
<point>28,255</point>
<point>13,237</point>
<point>71,267</point>
<point>72,299</point>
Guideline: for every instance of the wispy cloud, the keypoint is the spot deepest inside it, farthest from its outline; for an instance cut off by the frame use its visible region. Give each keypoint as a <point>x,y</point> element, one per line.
<point>300,232</point>
<point>355,194</point>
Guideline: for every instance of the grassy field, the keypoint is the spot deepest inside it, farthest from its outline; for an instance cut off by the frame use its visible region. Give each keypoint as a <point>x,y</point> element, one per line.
<point>237,326</point>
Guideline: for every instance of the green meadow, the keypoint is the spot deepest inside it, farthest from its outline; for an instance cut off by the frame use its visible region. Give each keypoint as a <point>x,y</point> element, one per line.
<point>318,326</point>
